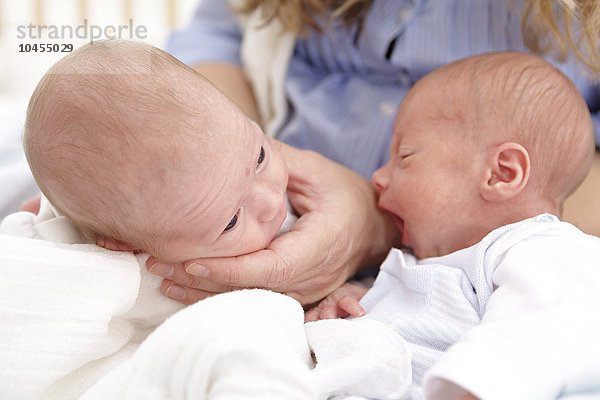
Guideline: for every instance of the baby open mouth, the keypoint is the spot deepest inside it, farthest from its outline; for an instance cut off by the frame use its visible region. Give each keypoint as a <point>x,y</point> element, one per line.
<point>400,225</point>
<point>404,236</point>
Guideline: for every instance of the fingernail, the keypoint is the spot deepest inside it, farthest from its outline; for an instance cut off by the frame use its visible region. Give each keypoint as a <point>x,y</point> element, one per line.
<point>160,269</point>
<point>197,269</point>
<point>359,313</point>
<point>175,292</point>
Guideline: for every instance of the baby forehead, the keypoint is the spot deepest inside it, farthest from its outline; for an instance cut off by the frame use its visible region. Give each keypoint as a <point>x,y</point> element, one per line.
<point>490,84</point>
<point>431,111</point>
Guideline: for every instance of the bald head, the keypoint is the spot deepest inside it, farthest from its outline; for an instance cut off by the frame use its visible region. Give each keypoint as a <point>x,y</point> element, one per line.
<point>105,130</point>
<point>522,98</point>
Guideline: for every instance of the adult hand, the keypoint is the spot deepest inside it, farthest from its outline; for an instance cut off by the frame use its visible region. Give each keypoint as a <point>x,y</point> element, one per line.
<point>339,229</point>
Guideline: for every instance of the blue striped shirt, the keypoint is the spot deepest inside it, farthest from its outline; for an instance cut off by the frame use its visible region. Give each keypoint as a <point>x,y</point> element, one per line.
<point>344,87</point>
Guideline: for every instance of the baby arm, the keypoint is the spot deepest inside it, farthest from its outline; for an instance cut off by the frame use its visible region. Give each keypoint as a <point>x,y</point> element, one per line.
<point>342,303</point>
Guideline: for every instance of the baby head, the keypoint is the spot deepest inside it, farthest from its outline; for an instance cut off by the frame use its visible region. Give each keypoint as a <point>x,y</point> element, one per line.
<point>480,143</point>
<point>141,152</point>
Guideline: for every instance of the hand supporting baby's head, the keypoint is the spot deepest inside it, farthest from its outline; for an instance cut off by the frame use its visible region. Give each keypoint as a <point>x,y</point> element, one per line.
<point>481,143</point>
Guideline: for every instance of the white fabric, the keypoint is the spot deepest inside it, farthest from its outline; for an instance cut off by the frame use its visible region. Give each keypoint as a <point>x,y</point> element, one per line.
<point>248,344</point>
<point>540,334</point>
<point>73,312</point>
<point>48,334</point>
<point>359,358</point>
<point>536,287</point>
<point>70,312</point>
<point>74,316</point>
<point>430,305</point>
<point>251,344</point>
<point>290,218</point>
<point>267,72</point>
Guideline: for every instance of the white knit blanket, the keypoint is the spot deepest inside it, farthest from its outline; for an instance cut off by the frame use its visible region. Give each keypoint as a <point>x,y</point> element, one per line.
<point>76,320</point>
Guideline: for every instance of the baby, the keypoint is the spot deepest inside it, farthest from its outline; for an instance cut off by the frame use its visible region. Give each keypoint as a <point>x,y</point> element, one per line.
<point>143,153</point>
<point>500,301</point>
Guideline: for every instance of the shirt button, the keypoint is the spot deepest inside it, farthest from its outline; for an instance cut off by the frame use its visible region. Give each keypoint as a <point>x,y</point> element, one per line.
<point>406,14</point>
<point>404,79</point>
<point>387,108</point>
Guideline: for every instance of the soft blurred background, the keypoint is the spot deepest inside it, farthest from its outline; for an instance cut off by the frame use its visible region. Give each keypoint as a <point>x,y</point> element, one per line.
<point>20,72</point>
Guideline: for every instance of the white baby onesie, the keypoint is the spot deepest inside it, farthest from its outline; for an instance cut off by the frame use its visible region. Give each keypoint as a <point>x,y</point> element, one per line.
<point>527,294</point>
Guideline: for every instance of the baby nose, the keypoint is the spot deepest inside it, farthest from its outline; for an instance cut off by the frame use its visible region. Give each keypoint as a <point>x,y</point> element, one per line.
<point>269,202</point>
<point>381,178</point>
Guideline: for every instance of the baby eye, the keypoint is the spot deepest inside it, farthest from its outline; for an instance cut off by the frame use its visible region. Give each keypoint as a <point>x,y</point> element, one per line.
<point>261,156</point>
<point>232,223</point>
<point>404,154</point>
<point>401,159</point>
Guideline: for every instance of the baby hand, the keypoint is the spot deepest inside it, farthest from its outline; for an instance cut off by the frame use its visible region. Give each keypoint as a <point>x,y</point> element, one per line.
<point>343,302</point>
<point>32,204</point>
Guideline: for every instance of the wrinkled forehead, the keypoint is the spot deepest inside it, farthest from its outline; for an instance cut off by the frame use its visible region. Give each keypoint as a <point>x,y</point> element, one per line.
<point>433,107</point>
<point>217,178</point>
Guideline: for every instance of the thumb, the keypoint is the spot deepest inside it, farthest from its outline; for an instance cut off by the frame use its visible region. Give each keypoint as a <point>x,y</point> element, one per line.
<point>263,268</point>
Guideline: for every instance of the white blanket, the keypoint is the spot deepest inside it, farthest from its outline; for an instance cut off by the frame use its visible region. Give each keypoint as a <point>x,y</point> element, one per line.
<point>251,344</point>
<point>267,72</point>
<point>248,344</point>
<point>70,312</point>
<point>76,320</point>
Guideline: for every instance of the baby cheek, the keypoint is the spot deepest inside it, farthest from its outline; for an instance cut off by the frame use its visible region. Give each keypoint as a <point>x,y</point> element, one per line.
<point>258,241</point>
<point>251,240</point>
<point>395,192</point>
<point>279,168</point>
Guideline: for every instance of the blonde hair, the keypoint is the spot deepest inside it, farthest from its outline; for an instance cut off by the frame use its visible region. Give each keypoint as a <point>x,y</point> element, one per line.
<point>562,26</point>
<point>298,15</point>
<point>552,27</point>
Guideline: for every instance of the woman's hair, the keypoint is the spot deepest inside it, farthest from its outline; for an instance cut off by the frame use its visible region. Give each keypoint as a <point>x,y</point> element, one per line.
<point>552,27</point>
<point>299,16</point>
<point>561,26</point>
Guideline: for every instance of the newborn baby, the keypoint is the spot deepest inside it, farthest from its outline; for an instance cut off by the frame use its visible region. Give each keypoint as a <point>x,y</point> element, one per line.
<point>143,153</point>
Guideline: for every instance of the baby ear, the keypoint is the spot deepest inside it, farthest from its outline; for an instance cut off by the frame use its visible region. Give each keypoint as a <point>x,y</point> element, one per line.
<point>114,244</point>
<point>507,172</point>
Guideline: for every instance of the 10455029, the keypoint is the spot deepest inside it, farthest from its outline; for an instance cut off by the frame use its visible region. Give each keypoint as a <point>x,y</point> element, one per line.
<point>45,48</point>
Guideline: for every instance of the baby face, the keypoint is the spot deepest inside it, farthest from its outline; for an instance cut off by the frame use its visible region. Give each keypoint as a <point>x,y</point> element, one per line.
<point>236,205</point>
<point>428,186</point>
<point>166,163</point>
